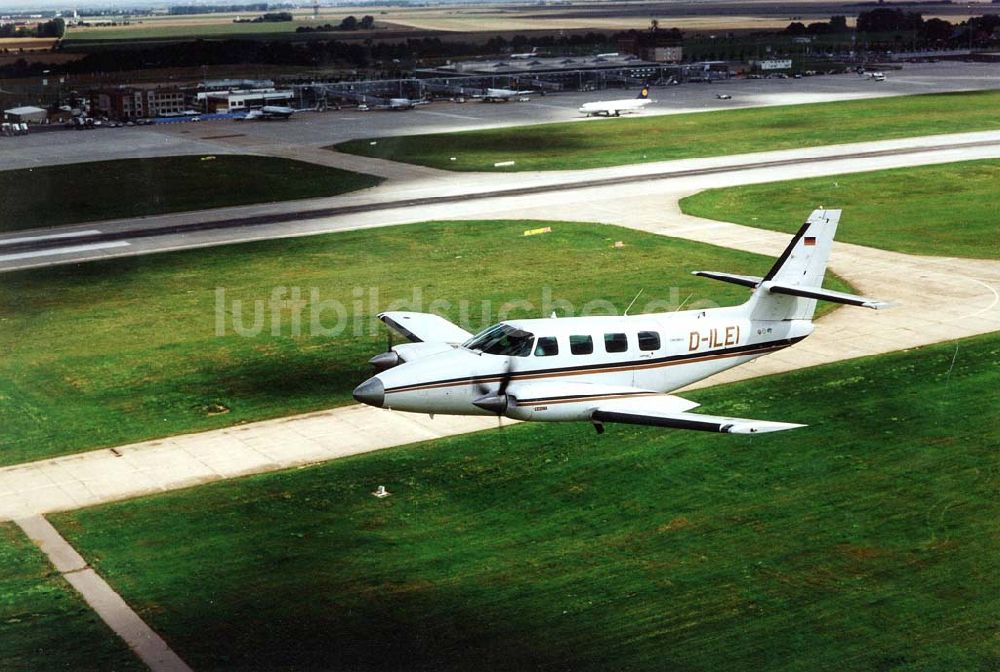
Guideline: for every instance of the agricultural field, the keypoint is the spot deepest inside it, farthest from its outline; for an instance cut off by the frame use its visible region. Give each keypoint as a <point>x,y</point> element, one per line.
<point>437,19</point>
<point>17,44</point>
<point>866,541</point>
<point>68,194</point>
<point>948,210</point>
<point>576,145</point>
<point>107,353</point>
<point>44,623</point>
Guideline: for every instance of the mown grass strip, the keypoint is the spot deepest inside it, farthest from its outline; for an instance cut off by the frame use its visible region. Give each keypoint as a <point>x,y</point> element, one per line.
<point>943,210</point>
<point>44,623</point>
<point>84,192</point>
<point>617,142</point>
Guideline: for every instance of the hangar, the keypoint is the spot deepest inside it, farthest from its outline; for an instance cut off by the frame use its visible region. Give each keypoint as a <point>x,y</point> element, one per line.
<point>26,113</point>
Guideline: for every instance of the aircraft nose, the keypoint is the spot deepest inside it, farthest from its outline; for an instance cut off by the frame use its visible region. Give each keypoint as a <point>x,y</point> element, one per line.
<point>370,392</point>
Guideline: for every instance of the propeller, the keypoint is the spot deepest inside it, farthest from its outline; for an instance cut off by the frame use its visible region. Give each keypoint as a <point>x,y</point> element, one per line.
<point>389,358</point>
<point>497,402</point>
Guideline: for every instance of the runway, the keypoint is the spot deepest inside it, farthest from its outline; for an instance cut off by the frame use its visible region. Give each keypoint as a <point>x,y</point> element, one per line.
<point>432,194</point>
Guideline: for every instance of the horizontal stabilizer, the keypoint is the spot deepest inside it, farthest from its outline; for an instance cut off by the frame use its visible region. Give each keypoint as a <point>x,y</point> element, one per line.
<point>745,280</point>
<point>825,295</point>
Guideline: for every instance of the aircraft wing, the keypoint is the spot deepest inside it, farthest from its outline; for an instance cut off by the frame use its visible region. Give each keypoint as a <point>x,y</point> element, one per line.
<point>424,327</point>
<point>671,411</point>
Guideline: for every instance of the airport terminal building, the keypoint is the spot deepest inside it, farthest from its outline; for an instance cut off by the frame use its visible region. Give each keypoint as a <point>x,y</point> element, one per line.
<point>129,103</point>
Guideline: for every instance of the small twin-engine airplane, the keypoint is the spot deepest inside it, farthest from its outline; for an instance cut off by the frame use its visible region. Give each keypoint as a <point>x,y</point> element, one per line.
<point>614,108</point>
<point>608,369</point>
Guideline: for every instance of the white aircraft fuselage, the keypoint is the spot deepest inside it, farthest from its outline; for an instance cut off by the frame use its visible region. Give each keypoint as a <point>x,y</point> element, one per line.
<point>614,108</point>
<point>501,95</point>
<point>676,349</point>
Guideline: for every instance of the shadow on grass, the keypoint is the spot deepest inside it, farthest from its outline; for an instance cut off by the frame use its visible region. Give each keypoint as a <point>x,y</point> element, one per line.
<point>402,626</point>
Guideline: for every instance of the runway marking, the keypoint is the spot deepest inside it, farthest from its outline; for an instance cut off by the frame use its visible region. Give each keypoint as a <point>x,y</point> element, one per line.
<point>63,250</point>
<point>447,114</point>
<point>996,299</point>
<point>289,216</point>
<point>51,236</point>
<point>101,597</point>
<point>551,107</point>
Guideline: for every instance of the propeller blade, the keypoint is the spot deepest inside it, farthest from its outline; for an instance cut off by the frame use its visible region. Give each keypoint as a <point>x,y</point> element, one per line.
<point>505,379</point>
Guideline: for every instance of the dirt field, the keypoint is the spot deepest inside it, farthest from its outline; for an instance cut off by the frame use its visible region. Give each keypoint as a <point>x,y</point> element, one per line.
<point>27,43</point>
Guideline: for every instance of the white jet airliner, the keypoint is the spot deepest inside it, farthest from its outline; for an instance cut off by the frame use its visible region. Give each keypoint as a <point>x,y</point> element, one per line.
<point>613,108</point>
<point>501,95</point>
<point>608,369</point>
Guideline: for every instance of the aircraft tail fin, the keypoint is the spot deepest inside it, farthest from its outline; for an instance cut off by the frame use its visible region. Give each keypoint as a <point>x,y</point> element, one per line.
<point>791,288</point>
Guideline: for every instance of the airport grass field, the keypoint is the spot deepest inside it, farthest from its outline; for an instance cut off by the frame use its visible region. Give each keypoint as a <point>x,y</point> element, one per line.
<point>577,145</point>
<point>107,353</point>
<point>867,541</point>
<point>44,623</point>
<point>948,209</point>
<point>82,192</point>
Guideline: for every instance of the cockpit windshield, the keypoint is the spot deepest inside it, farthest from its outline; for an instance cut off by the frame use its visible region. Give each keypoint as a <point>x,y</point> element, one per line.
<point>502,339</point>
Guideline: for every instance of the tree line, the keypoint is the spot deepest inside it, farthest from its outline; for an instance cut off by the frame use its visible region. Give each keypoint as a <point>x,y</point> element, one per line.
<point>349,23</point>
<point>270,17</point>
<point>54,28</point>
<point>931,32</point>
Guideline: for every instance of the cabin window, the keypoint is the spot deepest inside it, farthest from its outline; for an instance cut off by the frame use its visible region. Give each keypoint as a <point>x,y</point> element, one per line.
<point>615,342</point>
<point>502,339</point>
<point>581,345</point>
<point>547,347</point>
<point>649,340</point>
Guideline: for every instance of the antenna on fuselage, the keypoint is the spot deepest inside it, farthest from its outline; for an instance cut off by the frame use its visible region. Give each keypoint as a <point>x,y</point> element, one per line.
<point>633,303</point>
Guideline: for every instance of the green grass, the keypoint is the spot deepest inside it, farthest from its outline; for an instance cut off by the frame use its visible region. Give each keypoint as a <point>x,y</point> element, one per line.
<point>83,192</point>
<point>867,541</point>
<point>192,30</point>
<point>44,623</point>
<point>112,352</point>
<point>638,140</point>
<point>944,210</point>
